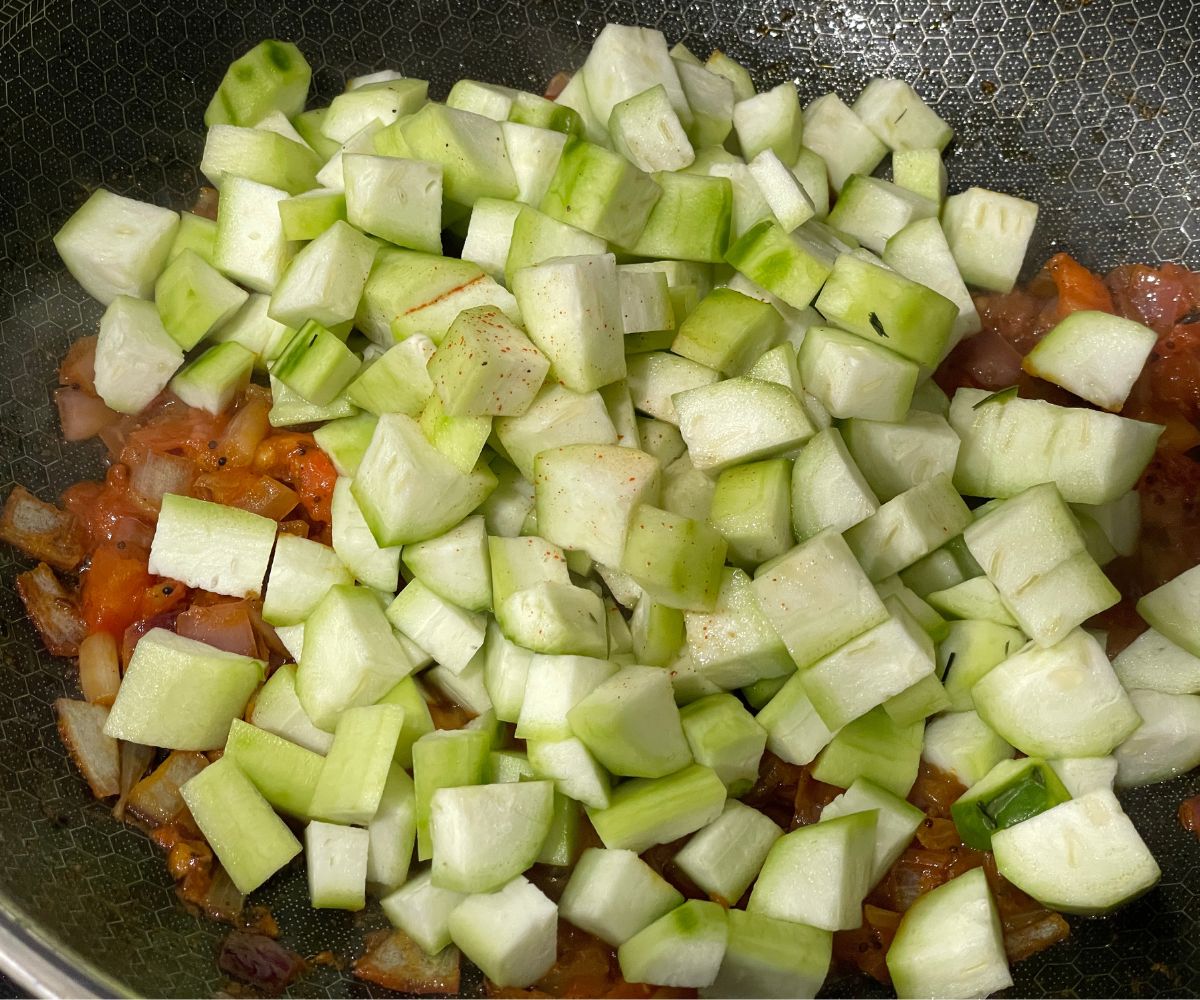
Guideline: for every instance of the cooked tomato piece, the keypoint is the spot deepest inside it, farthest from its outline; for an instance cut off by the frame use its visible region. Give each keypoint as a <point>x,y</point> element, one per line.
<point>313,476</point>
<point>1078,288</point>
<point>113,585</point>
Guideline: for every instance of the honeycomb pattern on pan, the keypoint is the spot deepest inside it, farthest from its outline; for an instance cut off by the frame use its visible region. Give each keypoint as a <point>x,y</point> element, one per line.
<point>1088,106</point>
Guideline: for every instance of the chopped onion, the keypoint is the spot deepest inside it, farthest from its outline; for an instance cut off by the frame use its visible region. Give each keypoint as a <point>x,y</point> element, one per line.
<point>78,368</point>
<point>99,669</point>
<point>1189,814</point>
<point>155,800</point>
<point>206,203</point>
<point>226,626</point>
<point>81,414</point>
<point>135,758</point>
<point>133,634</point>
<point>42,530</point>
<point>221,899</point>
<point>395,961</point>
<point>1034,932</point>
<point>81,727</point>
<point>152,476</point>
<point>53,609</point>
<point>259,961</point>
<point>115,435</point>
<point>247,428</point>
<point>269,642</point>
<point>557,85</point>
<point>246,490</point>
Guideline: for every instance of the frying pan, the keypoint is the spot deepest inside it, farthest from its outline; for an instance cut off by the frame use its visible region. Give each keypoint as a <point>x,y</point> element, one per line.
<point>1090,107</point>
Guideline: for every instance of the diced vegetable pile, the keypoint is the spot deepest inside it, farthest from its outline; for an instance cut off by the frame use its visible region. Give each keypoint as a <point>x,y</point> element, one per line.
<point>654,471</point>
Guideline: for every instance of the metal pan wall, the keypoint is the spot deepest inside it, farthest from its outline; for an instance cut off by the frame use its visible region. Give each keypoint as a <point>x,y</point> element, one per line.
<point>1090,107</point>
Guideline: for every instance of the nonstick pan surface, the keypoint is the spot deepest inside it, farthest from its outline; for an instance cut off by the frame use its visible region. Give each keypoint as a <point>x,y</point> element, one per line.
<point>1090,107</point>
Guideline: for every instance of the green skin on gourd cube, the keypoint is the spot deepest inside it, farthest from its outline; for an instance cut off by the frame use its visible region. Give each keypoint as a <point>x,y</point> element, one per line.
<point>600,192</point>
<point>351,782</point>
<point>725,737</point>
<point>656,631</point>
<point>396,382</point>
<point>792,266</point>
<point>446,758</point>
<point>752,509</point>
<point>485,365</point>
<point>215,379</point>
<point>631,724</point>
<point>272,76</point>
<point>769,957</point>
<point>690,220</point>
<point>647,811</point>
<point>306,216</point>
<point>676,560</point>
<point>195,233</point>
<point>460,439</point>
<point>308,125</point>
<point>285,773</point>
<point>555,618</point>
<point>345,440</point>
<point>873,746</point>
<point>258,155</point>
<point>316,364</point>
<point>250,840</point>
<point>396,199</point>
<point>646,130</point>
<point>728,331</point>
<point>884,307</point>
<point>735,645</point>
<point>181,694</point>
<point>564,840</point>
<point>921,171</point>
<point>536,237</point>
<point>531,109</point>
<point>682,949</point>
<point>194,299</point>
<point>470,149</point>
<point>1012,791</point>
<point>417,718</point>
